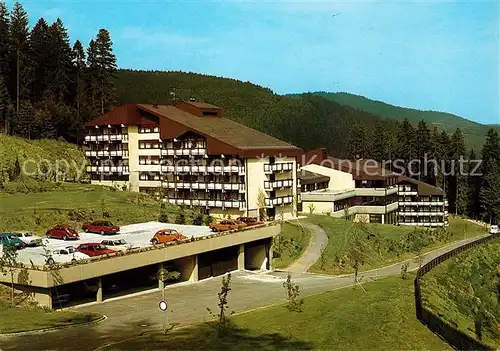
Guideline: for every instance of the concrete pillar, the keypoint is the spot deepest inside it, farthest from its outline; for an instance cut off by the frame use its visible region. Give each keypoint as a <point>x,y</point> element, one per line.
<point>383,219</point>
<point>270,254</point>
<point>161,283</point>
<point>99,290</point>
<point>43,296</point>
<point>241,257</point>
<point>194,274</point>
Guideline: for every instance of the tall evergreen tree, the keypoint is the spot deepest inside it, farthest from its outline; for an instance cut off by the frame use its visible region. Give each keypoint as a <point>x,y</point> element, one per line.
<point>489,195</point>
<point>491,150</point>
<point>39,43</point>
<point>19,63</point>
<point>381,142</point>
<point>358,142</point>
<point>4,106</point>
<point>59,65</point>
<point>424,151</point>
<point>78,60</point>
<point>4,41</point>
<point>106,68</point>
<point>458,185</point>
<point>473,187</point>
<point>92,81</point>
<point>406,140</point>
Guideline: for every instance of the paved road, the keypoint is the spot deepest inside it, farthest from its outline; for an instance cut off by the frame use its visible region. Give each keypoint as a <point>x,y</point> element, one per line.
<point>133,316</point>
<point>318,242</point>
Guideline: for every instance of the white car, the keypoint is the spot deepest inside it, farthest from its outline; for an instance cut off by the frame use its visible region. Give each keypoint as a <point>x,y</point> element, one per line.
<point>65,255</point>
<point>494,229</point>
<point>28,238</point>
<point>118,245</point>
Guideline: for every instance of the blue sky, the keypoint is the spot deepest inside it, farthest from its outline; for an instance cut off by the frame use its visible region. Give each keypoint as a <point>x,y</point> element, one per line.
<point>427,55</point>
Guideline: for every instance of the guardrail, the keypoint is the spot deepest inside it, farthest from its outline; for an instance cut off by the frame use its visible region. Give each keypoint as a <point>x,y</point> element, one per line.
<point>453,336</point>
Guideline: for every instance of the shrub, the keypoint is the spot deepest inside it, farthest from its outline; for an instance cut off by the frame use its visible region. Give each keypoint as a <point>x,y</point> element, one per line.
<point>180,218</point>
<point>208,220</point>
<point>198,220</point>
<point>163,216</point>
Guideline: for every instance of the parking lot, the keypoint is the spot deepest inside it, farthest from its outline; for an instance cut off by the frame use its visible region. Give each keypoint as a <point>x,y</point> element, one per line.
<point>135,234</point>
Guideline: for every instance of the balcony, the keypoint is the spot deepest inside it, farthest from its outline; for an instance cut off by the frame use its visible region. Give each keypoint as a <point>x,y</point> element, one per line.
<point>204,186</point>
<point>148,136</point>
<point>183,152</point>
<point>376,191</point>
<point>209,203</point>
<point>278,201</point>
<point>278,184</point>
<point>108,169</point>
<point>418,213</point>
<point>423,224</point>
<point>278,167</point>
<point>407,193</point>
<point>421,203</point>
<point>202,169</point>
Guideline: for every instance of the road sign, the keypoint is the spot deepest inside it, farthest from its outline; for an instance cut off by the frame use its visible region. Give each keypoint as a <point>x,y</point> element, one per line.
<point>163,305</point>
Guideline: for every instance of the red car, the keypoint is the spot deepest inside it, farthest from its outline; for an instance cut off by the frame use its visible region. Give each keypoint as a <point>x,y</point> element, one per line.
<point>94,249</point>
<point>102,227</point>
<point>62,232</point>
<point>249,221</point>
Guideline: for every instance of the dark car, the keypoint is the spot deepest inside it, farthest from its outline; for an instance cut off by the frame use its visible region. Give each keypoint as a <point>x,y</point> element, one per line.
<point>102,227</point>
<point>94,249</point>
<point>249,221</point>
<point>62,232</point>
<point>11,239</point>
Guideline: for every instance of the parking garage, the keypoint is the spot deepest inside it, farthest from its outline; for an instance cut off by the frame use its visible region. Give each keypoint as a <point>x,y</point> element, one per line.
<point>100,278</point>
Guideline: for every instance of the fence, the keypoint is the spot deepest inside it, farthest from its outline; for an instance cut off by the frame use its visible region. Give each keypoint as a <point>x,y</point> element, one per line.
<point>454,337</point>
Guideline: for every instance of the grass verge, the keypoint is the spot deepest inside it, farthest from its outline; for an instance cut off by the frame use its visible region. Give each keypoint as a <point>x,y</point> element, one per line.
<point>380,317</point>
<point>383,244</point>
<point>290,245</point>
<point>26,316</point>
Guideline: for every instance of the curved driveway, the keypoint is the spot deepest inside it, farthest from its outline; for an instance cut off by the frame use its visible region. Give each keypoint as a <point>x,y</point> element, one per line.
<point>318,242</point>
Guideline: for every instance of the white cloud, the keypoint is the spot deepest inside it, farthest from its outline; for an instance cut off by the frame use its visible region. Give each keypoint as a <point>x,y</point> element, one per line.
<point>161,38</point>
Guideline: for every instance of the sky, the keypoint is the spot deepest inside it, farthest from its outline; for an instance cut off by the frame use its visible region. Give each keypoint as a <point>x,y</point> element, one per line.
<point>427,55</point>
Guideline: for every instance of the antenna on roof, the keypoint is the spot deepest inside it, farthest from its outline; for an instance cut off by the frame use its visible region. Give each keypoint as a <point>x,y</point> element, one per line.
<point>173,94</point>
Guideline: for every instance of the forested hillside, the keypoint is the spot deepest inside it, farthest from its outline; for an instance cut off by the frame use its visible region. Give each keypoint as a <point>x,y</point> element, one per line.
<point>473,131</point>
<point>307,121</point>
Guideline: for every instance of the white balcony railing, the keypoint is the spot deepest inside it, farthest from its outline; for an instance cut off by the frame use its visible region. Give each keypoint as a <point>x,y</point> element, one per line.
<point>277,201</point>
<point>278,184</point>
<point>278,167</point>
<point>108,169</point>
<point>202,169</point>
<point>183,152</point>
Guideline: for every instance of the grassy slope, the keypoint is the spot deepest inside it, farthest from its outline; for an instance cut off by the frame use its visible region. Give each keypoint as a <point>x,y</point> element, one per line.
<point>299,240</point>
<point>450,289</point>
<point>20,211</point>
<point>26,317</point>
<point>339,231</point>
<point>382,318</point>
<point>475,131</point>
<point>32,152</point>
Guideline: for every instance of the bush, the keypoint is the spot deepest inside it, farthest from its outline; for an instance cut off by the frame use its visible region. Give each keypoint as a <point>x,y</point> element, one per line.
<point>198,220</point>
<point>208,220</point>
<point>180,218</point>
<point>163,216</point>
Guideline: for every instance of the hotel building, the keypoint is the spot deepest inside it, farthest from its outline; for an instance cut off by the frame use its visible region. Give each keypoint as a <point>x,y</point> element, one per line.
<point>190,155</point>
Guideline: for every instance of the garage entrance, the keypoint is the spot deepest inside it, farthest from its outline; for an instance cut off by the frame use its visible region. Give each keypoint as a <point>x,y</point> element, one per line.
<point>218,262</point>
<point>257,255</point>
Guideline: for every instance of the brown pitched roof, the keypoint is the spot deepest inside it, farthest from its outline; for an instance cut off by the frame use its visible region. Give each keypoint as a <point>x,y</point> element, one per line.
<point>307,177</point>
<point>222,129</point>
<point>423,188</point>
<point>202,105</point>
<point>126,114</point>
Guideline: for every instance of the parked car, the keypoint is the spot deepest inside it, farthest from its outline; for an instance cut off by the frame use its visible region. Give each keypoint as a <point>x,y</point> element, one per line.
<point>494,229</point>
<point>249,221</point>
<point>102,227</point>
<point>65,255</point>
<point>118,244</point>
<point>11,239</point>
<point>94,249</point>
<point>28,238</point>
<point>166,235</point>
<point>226,224</point>
<point>62,232</point>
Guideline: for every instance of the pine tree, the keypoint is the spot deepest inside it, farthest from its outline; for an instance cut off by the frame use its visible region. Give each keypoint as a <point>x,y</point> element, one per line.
<point>19,63</point>
<point>39,42</point>
<point>4,106</point>
<point>381,142</point>
<point>406,140</point>
<point>424,151</point>
<point>92,81</point>
<point>358,142</point>
<point>489,195</point>
<point>106,68</point>
<point>4,41</point>
<point>458,184</point>
<point>78,60</point>
<point>473,187</point>
<point>24,124</point>
<point>59,65</point>
<point>491,150</point>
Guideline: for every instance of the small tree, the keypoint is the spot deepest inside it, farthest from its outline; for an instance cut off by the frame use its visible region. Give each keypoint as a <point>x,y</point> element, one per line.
<point>8,264</point>
<point>261,204</point>
<point>292,292</point>
<point>312,208</point>
<point>322,258</point>
<point>105,214</point>
<point>180,218</point>
<point>404,270</point>
<point>222,319</point>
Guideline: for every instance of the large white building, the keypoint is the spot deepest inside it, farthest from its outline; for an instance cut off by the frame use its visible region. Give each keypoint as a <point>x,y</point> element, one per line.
<point>368,192</point>
<point>192,156</point>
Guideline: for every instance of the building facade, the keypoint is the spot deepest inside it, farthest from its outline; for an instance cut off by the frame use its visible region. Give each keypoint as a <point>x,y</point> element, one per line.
<point>190,155</point>
<point>367,192</point>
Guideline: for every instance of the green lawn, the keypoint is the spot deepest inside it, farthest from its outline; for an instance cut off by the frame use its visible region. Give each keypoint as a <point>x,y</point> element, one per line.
<point>380,317</point>
<point>26,316</point>
<point>75,204</point>
<point>294,239</point>
<point>387,245</point>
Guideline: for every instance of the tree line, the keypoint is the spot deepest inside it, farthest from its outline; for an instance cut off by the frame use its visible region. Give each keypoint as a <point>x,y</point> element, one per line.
<point>470,179</point>
<point>48,87</point>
